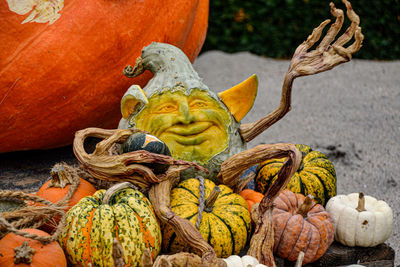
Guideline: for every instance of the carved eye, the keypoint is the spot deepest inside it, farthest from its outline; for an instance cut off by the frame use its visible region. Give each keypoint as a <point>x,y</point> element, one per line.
<point>198,104</point>
<point>167,108</point>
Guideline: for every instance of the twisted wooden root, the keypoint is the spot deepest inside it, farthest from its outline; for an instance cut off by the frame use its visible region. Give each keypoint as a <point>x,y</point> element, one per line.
<point>262,241</point>
<point>104,165</point>
<point>159,196</point>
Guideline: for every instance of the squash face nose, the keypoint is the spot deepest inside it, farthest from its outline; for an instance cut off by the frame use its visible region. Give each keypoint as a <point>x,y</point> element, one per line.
<point>184,115</point>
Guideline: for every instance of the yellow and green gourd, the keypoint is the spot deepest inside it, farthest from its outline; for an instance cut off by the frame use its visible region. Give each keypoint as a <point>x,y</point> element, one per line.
<point>178,108</point>
<point>225,224</point>
<point>316,175</point>
<point>93,224</point>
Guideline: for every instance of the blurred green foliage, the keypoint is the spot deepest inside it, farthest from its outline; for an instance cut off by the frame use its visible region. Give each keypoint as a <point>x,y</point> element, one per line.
<point>275,28</point>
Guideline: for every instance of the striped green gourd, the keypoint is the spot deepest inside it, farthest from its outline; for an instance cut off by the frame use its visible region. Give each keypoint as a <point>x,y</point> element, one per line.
<point>315,176</point>
<point>225,224</point>
<point>93,224</point>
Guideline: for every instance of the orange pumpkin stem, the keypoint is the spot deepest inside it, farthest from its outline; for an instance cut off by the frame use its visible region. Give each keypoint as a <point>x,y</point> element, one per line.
<point>24,253</point>
<point>361,202</point>
<point>306,206</point>
<point>59,177</point>
<point>210,201</point>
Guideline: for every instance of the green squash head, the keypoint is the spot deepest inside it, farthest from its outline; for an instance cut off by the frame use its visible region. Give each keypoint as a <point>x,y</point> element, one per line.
<point>177,107</point>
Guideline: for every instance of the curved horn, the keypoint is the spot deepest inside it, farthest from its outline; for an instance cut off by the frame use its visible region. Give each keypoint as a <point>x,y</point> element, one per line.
<point>240,98</point>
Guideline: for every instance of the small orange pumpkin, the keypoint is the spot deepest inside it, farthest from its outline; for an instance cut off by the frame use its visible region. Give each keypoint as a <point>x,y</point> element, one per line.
<point>16,250</point>
<point>57,188</point>
<point>251,197</point>
<point>301,225</point>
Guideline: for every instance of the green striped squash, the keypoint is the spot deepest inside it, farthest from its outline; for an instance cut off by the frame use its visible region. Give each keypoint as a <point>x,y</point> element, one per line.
<point>95,221</point>
<point>316,175</point>
<point>226,225</point>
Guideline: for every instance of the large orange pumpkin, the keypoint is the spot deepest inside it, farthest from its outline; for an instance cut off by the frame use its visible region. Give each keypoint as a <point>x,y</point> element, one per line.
<point>61,62</point>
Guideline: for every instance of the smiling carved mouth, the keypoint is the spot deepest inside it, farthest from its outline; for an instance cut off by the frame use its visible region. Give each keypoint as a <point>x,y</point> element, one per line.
<point>189,134</point>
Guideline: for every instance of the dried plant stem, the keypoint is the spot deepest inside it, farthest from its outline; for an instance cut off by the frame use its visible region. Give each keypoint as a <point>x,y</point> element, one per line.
<point>361,202</point>
<point>305,206</point>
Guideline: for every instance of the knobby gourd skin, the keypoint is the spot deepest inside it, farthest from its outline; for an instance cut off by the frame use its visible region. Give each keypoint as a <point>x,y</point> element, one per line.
<point>193,126</point>
<point>91,227</point>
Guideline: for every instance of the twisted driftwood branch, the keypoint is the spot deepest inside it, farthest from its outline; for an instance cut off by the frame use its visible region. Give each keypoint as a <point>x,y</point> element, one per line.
<point>232,168</point>
<point>159,196</point>
<point>262,241</point>
<point>105,165</point>
<point>325,57</point>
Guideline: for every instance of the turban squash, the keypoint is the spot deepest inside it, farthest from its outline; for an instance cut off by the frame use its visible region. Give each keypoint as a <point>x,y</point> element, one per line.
<point>61,61</point>
<point>121,213</point>
<point>225,224</point>
<point>316,175</point>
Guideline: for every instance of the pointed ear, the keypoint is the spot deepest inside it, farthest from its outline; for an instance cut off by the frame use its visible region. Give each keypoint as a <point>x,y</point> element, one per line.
<point>132,99</point>
<point>240,98</point>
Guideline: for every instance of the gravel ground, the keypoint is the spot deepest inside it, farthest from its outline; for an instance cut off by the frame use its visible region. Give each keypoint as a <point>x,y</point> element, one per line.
<point>350,113</point>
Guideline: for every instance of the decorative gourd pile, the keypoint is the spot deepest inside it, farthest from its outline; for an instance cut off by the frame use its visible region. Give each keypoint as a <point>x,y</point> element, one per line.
<point>191,200</point>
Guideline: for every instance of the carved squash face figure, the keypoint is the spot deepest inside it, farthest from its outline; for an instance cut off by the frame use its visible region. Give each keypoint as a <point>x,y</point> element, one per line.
<point>193,126</point>
<point>177,107</point>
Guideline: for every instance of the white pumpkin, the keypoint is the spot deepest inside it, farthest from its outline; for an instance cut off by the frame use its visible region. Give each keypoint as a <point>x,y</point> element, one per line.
<point>360,220</point>
<point>245,261</point>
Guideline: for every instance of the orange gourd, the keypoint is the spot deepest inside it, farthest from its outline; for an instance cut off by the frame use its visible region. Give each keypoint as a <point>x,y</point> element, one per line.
<point>58,187</point>
<point>251,197</point>
<point>301,225</point>
<point>37,253</point>
<point>61,62</point>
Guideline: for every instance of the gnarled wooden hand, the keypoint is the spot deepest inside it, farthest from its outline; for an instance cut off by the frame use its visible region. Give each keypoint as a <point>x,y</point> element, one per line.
<point>304,62</point>
<point>327,55</point>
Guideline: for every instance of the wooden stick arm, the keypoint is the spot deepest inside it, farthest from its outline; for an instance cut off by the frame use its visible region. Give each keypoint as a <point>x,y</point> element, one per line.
<point>326,56</point>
